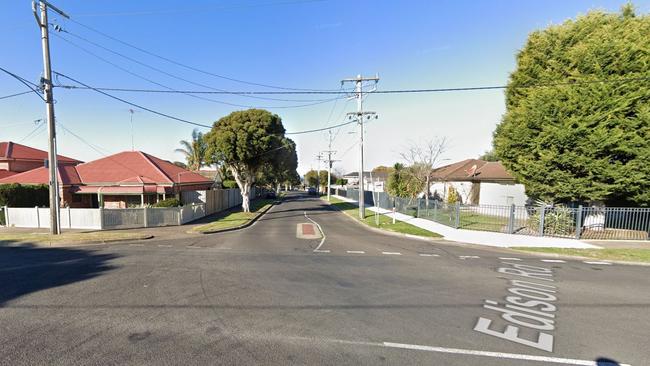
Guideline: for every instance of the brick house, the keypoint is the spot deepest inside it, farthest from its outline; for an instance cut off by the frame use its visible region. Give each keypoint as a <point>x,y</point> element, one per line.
<point>16,158</point>
<point>126,179</point>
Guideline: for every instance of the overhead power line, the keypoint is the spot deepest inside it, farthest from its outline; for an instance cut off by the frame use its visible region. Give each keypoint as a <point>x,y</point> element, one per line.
<point>178,119</point>
<point>195,69</point>
<point>391,91</point>
<point>33,87</point>
<point>15,95</point>
<point>133,104</point>
<point>144,64</point>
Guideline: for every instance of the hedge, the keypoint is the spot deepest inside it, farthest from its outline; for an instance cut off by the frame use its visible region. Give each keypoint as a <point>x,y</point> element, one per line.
<point>16,195</point>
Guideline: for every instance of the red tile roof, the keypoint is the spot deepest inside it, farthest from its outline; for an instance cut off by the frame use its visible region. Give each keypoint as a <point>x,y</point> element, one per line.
<point>67,176</point>
<point>6,173</point>
<point>472,170</point>
<point>122,169</point>
<point>13,151</point>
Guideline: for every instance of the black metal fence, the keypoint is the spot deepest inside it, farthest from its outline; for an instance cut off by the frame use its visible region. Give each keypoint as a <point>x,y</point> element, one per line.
<point>590,223</point>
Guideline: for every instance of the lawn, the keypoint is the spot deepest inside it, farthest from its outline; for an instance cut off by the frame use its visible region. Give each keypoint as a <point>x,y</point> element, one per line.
<point>235,218</point>
<point>385,222</point>
<point>627,255</point>
<point>69,237</point>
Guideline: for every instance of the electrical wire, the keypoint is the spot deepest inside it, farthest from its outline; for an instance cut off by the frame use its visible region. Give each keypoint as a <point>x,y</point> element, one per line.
<point>32,133</point>
<point>395,91</point>
<point>33,87</point>
<point>133,104</point>
<point>178,119</point>
<point>195,69</point>
<point>15,95</point>
<point>320,101</point>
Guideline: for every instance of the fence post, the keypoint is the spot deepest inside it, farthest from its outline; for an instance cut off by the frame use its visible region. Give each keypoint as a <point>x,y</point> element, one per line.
<point>579,222</point>
<point>542,213</point>
<point>146,220</point>
<point>38,218</point>
<point>435,210</point>
<point>101,218</point>
<point>7,216</point>
<point>457,215</point>
<point>511,220</point>
<point>180,215</point>
<point>418,211</point>
<point>69,218</point>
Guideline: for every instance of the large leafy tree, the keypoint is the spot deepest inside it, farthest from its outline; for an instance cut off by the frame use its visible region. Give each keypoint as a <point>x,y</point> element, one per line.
<point>581,140</point>
<point>194,150</point>
<point>244,142</point>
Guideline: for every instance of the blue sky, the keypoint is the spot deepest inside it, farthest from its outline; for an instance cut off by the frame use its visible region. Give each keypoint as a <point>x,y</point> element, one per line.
<point>297,44</point>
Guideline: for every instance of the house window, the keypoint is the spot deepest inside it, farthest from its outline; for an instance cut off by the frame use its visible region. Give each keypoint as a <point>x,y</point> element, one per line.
<point>76,198</point>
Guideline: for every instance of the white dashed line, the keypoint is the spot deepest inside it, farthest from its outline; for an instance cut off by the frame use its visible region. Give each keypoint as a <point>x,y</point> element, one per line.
<point>391,253</point>
<point>469,257</point>
<point>355,252</point>
<point>429,255</point>
<point>509,259</point>
<point>193,247</point>
<point>553,261</point>
<point>164,246</point>
<point>136,245</point>
<point>321,251</point>
<point>598,262</point>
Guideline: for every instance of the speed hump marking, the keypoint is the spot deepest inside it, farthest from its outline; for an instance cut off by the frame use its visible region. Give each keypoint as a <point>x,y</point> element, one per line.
<point>307,231</point>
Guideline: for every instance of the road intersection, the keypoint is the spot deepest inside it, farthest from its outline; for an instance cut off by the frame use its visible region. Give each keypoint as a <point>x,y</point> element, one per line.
<point>350,296</point>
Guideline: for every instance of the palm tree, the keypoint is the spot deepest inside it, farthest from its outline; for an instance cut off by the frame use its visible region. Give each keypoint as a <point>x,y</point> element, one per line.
<point>194,151</point>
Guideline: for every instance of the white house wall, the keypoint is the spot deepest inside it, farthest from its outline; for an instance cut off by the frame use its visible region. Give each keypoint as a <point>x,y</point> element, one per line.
<point>502,194</point>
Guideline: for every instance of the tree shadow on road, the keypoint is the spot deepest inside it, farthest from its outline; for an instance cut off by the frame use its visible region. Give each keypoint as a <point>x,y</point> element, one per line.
<point>27,269</point>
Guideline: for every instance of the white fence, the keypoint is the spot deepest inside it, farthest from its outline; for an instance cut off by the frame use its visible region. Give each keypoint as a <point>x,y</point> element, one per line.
<point>127,218</point>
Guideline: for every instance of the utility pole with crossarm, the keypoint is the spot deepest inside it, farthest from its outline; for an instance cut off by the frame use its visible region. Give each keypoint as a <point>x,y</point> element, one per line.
<point>360,117</point>
<point>46,84</point>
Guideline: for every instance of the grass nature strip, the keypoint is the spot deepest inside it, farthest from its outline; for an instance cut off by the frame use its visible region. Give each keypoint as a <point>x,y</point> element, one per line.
<point>233,219</point>
<point>385,222</point>
<point>639,255</point>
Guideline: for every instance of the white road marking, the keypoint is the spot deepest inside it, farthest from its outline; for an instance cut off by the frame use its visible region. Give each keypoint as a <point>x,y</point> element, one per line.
<point>164,246</point>
<point>193,247</point>
<point>469,256</point>
<point>356,252</point>
<point>512,356</point>
<point>391,253</point>
<point>322,241</point>
<point>553,261</point>
<point>136,245</point>
<point>509,259</point>
<point>321,251</point>
<point>429,255</point>
<point>598,262</point>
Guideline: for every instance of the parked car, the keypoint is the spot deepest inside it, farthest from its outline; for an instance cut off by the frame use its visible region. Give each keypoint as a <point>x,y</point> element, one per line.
<point>271,194</point>
<point>312,191</point>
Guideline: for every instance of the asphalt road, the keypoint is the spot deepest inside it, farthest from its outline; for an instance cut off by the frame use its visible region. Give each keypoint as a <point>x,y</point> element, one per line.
<point>262,296</point>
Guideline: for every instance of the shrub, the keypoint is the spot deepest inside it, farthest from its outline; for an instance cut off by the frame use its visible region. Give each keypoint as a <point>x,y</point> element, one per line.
<point>169,202</point>
<point>17,195</point>
<point>227,184</point>
<point>453,197</point>
<point>558,219</point>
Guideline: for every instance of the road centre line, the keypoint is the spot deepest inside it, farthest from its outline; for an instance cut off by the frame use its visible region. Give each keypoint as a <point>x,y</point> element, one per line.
<point>164,246</point>
<point>391,253</point>
<point>598,262</point>
<point>321,251</point>
<point>429,255</point>
<point>553,261</point>
<point>317,250</point>
<point>469,257</point>
<point>503,355</point>
<point>509,259</point>
<point>136,245</point>
<point>355,252</point>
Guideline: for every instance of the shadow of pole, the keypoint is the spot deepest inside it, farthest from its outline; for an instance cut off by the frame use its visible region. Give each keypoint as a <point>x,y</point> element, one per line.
<point>26,269</point>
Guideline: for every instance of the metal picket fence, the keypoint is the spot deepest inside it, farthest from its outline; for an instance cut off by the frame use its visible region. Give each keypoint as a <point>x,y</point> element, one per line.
<point>593,223</point>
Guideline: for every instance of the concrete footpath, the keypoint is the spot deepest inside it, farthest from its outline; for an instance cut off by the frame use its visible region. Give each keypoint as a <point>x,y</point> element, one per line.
<point>481,237</point>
